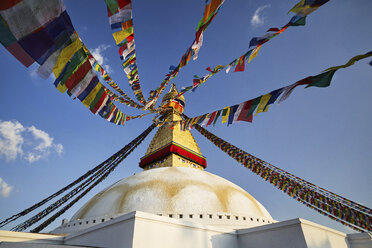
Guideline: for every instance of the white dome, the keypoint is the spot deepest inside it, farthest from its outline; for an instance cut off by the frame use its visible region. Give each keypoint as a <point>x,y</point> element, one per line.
<point>172,190</point>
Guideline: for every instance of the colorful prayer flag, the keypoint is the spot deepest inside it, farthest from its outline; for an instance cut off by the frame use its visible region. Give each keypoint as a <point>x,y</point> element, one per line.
<point>225,114</point>
<point>262,104</point>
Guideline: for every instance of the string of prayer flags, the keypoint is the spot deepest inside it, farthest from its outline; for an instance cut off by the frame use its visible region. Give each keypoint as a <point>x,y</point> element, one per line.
<point>257,42</point>
<point>26,29</point>
<point>41,31</point>
<point>330,204</point>
<point>120,17</point>
<point>125,99</point>
<point>210,11</point>
<point>245,110</point>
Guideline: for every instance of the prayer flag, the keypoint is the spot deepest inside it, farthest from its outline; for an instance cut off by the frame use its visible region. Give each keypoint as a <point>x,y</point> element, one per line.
<point>225,114</point>
<point>65,56</point>
<point>8,4</point>
<point>122,34</point>
<point>274,95</point>
<point>211,119</point>
<point>243,115</point>
<point>216,118</point>
<point>238,111</point>
<point>262,104</point>
<point>241,64</point>
<point>77,59</point>
<point>112,6</point>
<point>253,106</point>
<point>78,75</point>
<point>206,120</point>
<point>92,94</point>
<point>322,80</point>
<point>127,24</point>
<point>297,21</point>
<point>27,16</point>
<point>233,110</point>
<point>85,86</point>
<point>254,53</point>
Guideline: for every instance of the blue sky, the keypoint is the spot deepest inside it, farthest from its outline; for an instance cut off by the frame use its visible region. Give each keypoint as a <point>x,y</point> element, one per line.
<point>322,135</point>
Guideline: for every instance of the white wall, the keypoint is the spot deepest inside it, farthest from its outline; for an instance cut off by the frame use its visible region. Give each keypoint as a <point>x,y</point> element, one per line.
<point>155,231</point>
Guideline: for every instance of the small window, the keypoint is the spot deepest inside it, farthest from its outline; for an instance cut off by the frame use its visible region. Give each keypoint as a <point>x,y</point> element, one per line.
<point>201,216</point>
<point>160,214</point>
<point>236,217</point>
<point>251,219</point>
<point>244,218</point>
<point>190,215</point>
<point>181,216</point>
<point>74,224</point>
<point>94,221</point>
<point>171,216</point>
<point>263,220</point>
<point>258,219</point>
<point>210,216</point>
<point>103,220</point>
<point>80,223</point>
<point>228,217</point>
<point>87,222</point>
<point>219,216</point>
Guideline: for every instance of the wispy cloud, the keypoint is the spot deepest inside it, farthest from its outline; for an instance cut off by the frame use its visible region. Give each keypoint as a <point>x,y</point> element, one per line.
<point>98,55</point>
<point>28,143</point>
<point>5,189</point>
<point>257,18</point>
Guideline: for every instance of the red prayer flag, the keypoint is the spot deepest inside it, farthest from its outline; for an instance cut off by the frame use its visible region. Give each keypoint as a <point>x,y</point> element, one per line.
<point>7,4</point>
<point>241,64</point>
<point>78,75</point>
<point>244,112</point>
<point>273,30</point>
<point>211,118</point>
<point>123,3</point>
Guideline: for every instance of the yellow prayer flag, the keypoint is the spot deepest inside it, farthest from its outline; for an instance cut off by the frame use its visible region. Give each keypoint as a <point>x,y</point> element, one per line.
<point>225,114</point>
<point>122,34</point>
<point>254,53</point>
<point>262,104</point>
<point>62,88</point>
<point>65,55</point>
<point>89,99</point>
<point>298,7</point>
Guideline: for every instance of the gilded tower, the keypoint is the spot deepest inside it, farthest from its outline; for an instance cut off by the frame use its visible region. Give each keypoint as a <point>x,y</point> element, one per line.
<point>171,146</point>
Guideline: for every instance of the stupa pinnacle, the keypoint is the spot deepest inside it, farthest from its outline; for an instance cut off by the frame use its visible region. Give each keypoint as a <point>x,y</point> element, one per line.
<point>172,147</point>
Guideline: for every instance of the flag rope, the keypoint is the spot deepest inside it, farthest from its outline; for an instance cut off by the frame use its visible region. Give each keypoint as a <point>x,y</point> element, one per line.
<point>349,213</point>
<point>100,172</point>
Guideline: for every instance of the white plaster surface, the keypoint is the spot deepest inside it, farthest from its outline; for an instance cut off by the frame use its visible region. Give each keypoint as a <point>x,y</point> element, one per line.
<point>145,230</point>
<point>172,190</point>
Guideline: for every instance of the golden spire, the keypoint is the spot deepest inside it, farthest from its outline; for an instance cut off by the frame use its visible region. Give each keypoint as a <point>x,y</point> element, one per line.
<point>172,147</point>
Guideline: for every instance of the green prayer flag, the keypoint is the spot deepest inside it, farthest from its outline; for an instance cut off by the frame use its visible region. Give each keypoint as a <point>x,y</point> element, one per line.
<point>217,115</point>
<point>254,104</point>
<point>300,22</point>
<point>112,5</point>
<point>322,80</point>
<point>77,59</point>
